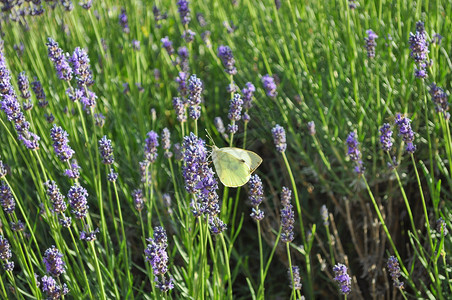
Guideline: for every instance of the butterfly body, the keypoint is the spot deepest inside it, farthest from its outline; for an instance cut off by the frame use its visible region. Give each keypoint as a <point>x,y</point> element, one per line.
<point>234,166</point>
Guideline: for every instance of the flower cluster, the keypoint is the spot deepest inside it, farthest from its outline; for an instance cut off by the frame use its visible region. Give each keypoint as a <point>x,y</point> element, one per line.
<point>296,283</point>
<point>386,137</point>
<point>166,142</point>
<point>226,56</point>
<point>235,110</point>
<point>394,270</point>
<point>59,59</point>
<point>179,108</point>
<point>124,21</point>
<point>353,152</point>
<point>194,99</point>
<point>6,254</point>
<point>55,197</point>
<point>168,45</point>
<point>6,198</point>
<point>3,169</point>
<point>188,35</point>
<point>77,196</point>
<point>53,259</point>
<point>37,88</point>
<point>183,56</point>
<point>269,85</point>
<point>157,256</point>
<point>370,43</point>
<point>279,137</point>
<point>439,97</point>
<point>150,147</point>
<point>106,151</point>
<point>182,81</point>
<point>248,92</point>
<point>158,16</point>
<point>342,278</point>
<point>24,88</point>
<point>138,199</point>
<point>419,50</point>
<point>74,171</point>
<point>406,132</point>
<point>52,288</point>
<point>60,143</point>
<point>184,11</point>
<point>256,196</point>
<point>287,216</point>
<point>81,68</point>
<point>11,107</point>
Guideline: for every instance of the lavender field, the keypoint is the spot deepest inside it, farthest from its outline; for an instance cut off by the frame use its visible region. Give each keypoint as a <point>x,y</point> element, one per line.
<point>112,185</point>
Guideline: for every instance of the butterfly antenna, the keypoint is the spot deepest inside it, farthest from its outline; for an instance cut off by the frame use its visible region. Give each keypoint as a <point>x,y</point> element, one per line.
<point>210,137</point>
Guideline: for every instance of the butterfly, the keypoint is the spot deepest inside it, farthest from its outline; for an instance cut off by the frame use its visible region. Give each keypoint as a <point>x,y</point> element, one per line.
<point>234,166</point>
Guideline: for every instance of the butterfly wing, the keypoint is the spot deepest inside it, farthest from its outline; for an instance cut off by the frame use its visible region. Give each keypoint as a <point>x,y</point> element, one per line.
<point>251,159</point>
<point>232,171</point>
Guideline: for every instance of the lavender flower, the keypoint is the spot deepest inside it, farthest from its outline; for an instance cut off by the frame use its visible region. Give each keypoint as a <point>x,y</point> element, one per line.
<point>144,171</point>
<point>394,270</point>
<point>55,197</point>
<point>311,128</point>
<point>53,259</point>
<point>3,169</point>
<point>52,288</point>
<point>184,11</point>
<point>439,97</point>
<point>36,86</point>
<point>24,86</point>
<point>419,50</point>
<point>178,152</point>
<point>269,85</point>
<point>406,132</point>
<point>123,21</point>
<point>182,81</point>
<point>296,284</point>
<point>342,278</point>
<point>194,99</point>
<point>60,143</point>
<point>201,20</point>
<point>19,226</point>
<point>81,68</point>
<point>206,38</point>
<point>386,137</point>
<point>194,155</point>
<point>157,256</point>
<point>89,236</point>
<point>150,147</point>
<point>437,38</point>
<point>166,142</point>
<point>226,56</point>
<point>112,176</point>
<point>6,198</point>
<point>324,214</point>
<point>65,221</point>
<point>287,216</point>
<point>278,4</point>
<point>232,88</point>
<point>352,4</point>
<point>183,55</point>
<point>441,226</point>
<point>168,45</point>
<point>49,117</point>
<point>256,196</point>
<point>370,43</point>
<point>6,254</point>
<point>188,35</point>
<point>27,105</point>
<point>248,92</point>
<point>106,151</point>
<point>77,196</point>
<point>235,109</point>
<point>136,45</point>
<point>179,108</point>
<point>138,199</point>
<point>88,99</point>
<point>354,153</point>
<point>74,171</point>
<point>99,120</point>
<point>59,59</point>
<point>279,137</point>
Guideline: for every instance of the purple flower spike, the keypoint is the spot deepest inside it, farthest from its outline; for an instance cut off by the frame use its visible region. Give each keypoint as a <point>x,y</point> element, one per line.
<point>168,45</point>
<point>59,59</point>
<point>256,196</point>
<point>226,56</point>
<point>77,196</point>
<point>441,226</point>
<point>37,88</point>
<point>287,216</point>
<point>52,288</point>
<point>6,254</point>
<point>184,11</point>
<point>182,81</point>
<point>248,92</point>
<point>123,21</point>
<point>269,85</point>
<point>138,199</point>
<point>296,284</point>
<point>106,151</point>
<point>150,147</point>
<point>24,86</point>
<point>194,99</point>
<point>55,197</point>
<point>394,270</point>
<point>406,132</point>
<point>342,278</point>
<point>179,108</point>
<point>60,143</point>
<point>386,137</point>
<point>6,198</point>
<point>279,137</point>
<point>370,43</point>
<point>53,259</point>
<point>419,50</point>
<point>354,153</point>
<point>439,97</point>
<point>166,142</point>
<point>324,215</point>
<point>81,68</point>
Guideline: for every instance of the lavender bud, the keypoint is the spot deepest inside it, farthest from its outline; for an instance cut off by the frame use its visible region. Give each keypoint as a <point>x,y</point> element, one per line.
<point>81,68</point>
<point>65,221</point>
<point>353,152</point>
<point>136,45</point>
<point>419,50</point>
<point>52,288</point>
<point>99,120</point>
<point>311,128</point>
<point>352,4</point>
<point>256,196</point>
<point>441,226</point>
<point>5,249</point>
<point>106,151</point>
<point>150,147</point>
<point>201,20</point>
<point>6,198</point>
<point>179,108</point>
<point>439,97</point>
<point>59,59</point>
<point>184,11</point>
<point>24,86</point>
<point>77,196</point>
<point>194,99</point>
<point>394,270</point>
<point>226,56</point>
<point>287,216</point>
<point>279,137</point>
<point>406,132</point>
<point>16,227</point>
<point>53,259</point>
<point>248,92</point>
<point>3,169</point>
<point>386,137</point>
<point>437,38</point>
<point>74,171</point>
<point>166,142</point>
<point>168,45</point>
<point>123,21</point>
<point>342,278</point>
<point>55,197</point>
<point>112,176</point>
<point>89,236</point>
<point>188,35</point>
<point>235,108</point>
<point>269,85</point>
<point>138,199</point>
<point>60,143</point>
<point>370,43</point>
<point>178,152</point>
<point>296,284</point>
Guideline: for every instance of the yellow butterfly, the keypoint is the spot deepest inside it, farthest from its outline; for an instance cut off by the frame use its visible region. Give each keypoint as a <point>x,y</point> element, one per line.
<point>234,166</point>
